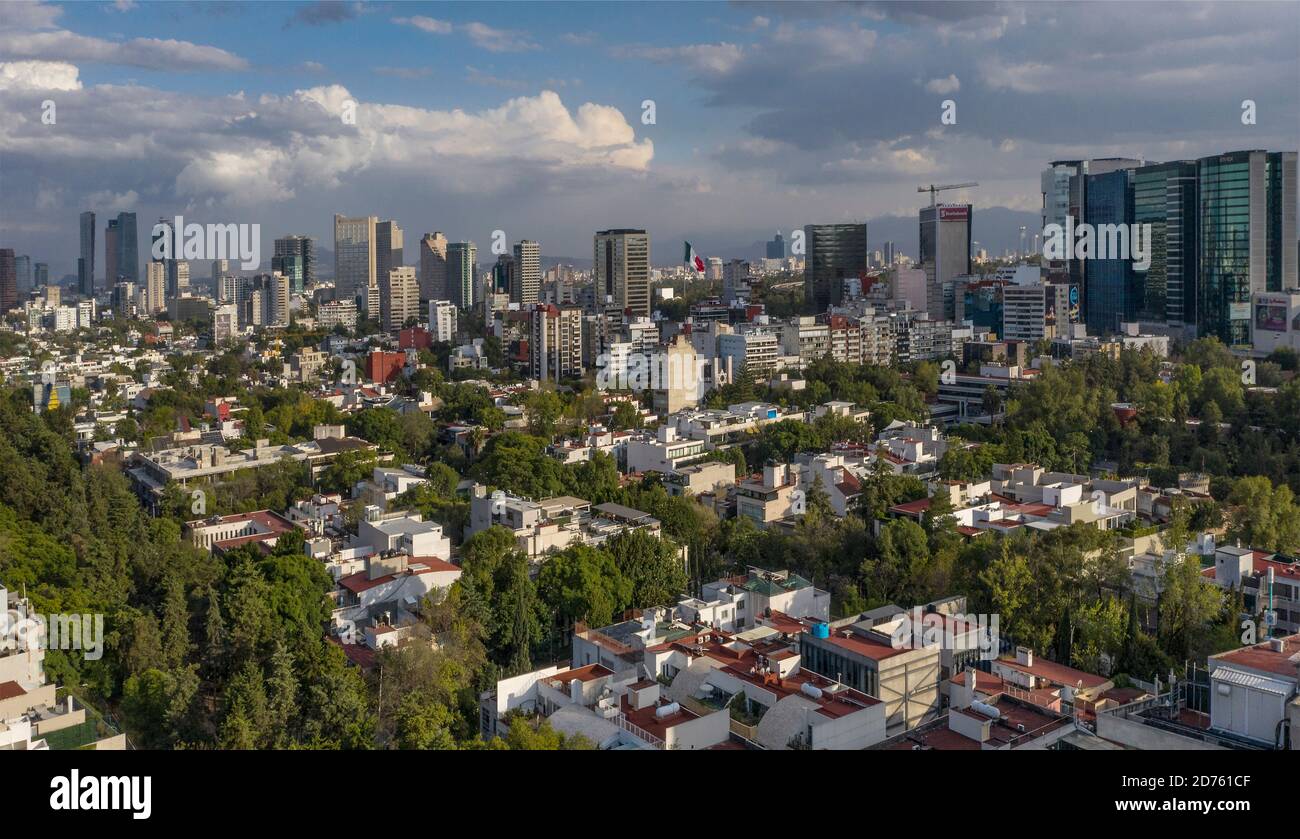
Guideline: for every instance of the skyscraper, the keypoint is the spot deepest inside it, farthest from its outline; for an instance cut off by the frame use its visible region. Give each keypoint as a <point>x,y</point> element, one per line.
<point>433,267</point>
<point>1164,196</point>
<point>304,248</point>
<point>776,247</point>
<point>8,280</point>
<point>528,269</point>
<point>1112,294</point>
<point>121,254</point>
<point>111,251</point>
<point>354,256</point>
<point>401,298</point>
<point>86,262</point>
<point>389,252</point>
<point>945,245</point>
<point>461,258</point>
<point>1247,228</point>
<point>23,270</point>
<point>621,266</point>
<point>833,253</point>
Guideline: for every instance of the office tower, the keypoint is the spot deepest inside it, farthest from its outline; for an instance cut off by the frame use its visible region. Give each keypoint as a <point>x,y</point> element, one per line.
<point>433,267</point>
<point>293,269</point>
<point>155,287</point>
<point>505,277</point>
<point>1247,225</point>
<point>1065,193</point>
<point>555,346</point>
<point>111,251</point>
<point>220,267</point>
<point>1164,196</point>
<point>833,253</point>
<point>622,270</point>
<point>1111,291</point>
<point>442,321</point>
<point>887,252</point>
<point>178,277</point>
<point>303,247</point>
<point>461,257</point>
<point>354,256</point>
<point>8,280</point>
<point>400,300</point>
<point>127,249</point>
<point>389,253</point>
<point>776,247</point>
<point>23,272</point>
<point>121,299</point>
<point>945,245</point>
<point>86,262</point>
<point>735,281</point>
<point>528,268</point>
<point>41,275</point>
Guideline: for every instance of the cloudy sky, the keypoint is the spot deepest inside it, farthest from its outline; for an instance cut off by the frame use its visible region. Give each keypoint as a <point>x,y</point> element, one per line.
<point>529,117</point>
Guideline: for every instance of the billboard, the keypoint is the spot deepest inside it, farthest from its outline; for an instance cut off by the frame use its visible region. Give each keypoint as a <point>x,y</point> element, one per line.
<point>1270,317</point>
<point>954,213</point>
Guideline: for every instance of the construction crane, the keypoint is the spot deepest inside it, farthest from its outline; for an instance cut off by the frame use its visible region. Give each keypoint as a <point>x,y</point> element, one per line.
<point>932,189</point>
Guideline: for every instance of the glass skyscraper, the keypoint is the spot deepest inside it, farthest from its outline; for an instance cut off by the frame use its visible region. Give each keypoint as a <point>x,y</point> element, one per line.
<point>1112,292</point>
<point>832,253</point>
<point>1164,196</point>
<point>86,262</point>
<point>1247,236</point>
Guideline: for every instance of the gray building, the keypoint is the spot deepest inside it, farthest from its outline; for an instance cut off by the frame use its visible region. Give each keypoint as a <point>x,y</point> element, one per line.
<point>833,253</point>
<point>621,264</point>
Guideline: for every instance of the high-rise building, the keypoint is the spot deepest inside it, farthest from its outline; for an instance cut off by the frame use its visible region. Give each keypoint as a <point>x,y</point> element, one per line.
<point>442,321</point>
<point>1164,197</point>
<point>528,271</point>
<point>86,262</point>
<point>304,248</point>
<point>354,256</point>
<point>155,288</point>
<point>40,275</point>
<point>1247,228</point>
<point>1065,194</point>
<point>433,266</point>
<point>23,270</point>
<point>505,276</point>
<point>8,280</point>
<point>400,300</point>
<point>555,346</point>
<point>127,249</point>
<point>735,281</point>
<point>833,253</point>
<point>776,247</point>
<point>225,323</point>
<point>621,267</point>
<point>461,268</point>
<point>945,246</point>
<point>291,266</point>
<point>1112,292</point>
<point>111,251</point>
<point>389,252</point>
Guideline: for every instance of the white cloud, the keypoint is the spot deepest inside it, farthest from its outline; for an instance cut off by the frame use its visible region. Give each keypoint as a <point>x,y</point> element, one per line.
<point>952,84</point>
<point>150,53</point>
<point>425,24</point>
<point>498,40</point>
<point>39,75</point>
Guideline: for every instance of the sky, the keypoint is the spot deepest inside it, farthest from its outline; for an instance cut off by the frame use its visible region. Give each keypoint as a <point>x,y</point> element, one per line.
<point>529,118</point>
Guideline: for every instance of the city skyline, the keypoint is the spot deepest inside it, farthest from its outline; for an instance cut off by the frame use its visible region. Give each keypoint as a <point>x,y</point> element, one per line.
<point>745,139</point>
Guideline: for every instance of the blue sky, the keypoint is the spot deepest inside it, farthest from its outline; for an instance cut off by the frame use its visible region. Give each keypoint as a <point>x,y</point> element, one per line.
<point>526,117</point>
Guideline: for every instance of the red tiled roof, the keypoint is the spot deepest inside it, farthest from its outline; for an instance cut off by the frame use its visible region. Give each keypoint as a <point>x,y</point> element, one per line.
<point>8,690</point>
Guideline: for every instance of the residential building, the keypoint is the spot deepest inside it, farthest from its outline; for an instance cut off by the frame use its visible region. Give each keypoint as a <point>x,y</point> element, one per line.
<point>621,270</point>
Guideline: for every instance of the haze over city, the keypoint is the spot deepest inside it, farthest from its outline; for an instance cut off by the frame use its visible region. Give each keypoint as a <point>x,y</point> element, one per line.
<point>529,117</point>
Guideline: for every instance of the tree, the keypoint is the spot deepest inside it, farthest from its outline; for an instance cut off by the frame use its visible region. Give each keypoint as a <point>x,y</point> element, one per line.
<point>583,583</point>
<point>652,565</point>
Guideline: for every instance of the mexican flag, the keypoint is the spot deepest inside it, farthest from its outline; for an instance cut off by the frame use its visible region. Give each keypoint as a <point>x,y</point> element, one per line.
<point>693,259</point>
